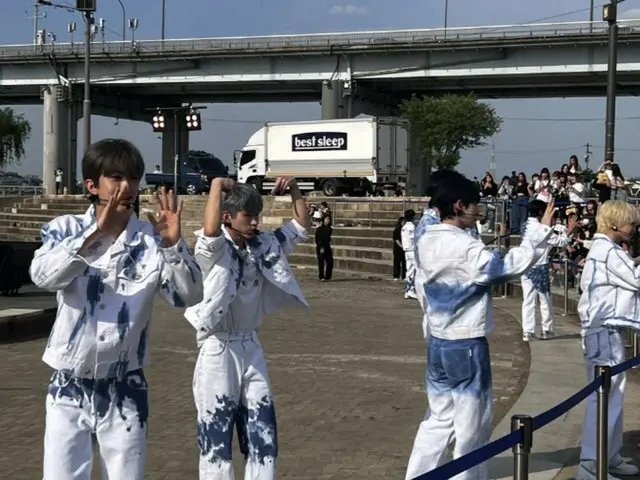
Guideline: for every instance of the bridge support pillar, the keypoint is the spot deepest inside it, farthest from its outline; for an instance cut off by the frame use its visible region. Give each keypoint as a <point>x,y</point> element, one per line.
<point>169,143</point>
<point>71,171</point>
<point>56,135</point>
<point>333,104</point>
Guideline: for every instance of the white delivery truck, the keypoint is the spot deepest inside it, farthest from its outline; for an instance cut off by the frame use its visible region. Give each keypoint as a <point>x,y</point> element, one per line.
<point>355,156</point>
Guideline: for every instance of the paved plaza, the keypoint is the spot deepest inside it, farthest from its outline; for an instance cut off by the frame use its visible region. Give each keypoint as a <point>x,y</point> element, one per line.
<point>348,378</point>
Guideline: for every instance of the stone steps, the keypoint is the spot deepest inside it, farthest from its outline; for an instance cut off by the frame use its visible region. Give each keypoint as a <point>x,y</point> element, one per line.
<point>382,267</point>
<point>350,253</point>
<point>366,242</point>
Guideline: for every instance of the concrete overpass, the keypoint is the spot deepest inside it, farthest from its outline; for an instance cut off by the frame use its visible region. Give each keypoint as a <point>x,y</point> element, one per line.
<point>350,73</point>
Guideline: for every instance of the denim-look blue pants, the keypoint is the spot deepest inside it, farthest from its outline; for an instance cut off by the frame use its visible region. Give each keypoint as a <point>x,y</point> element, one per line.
<point>459,390</point>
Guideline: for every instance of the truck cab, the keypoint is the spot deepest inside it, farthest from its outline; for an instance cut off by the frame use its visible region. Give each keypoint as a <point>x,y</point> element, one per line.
<point>250,161</point>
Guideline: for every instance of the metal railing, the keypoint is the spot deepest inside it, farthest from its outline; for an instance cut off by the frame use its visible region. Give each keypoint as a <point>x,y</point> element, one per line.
<point>368,212</point>
<point>333,40</point>
<point>20,191</point>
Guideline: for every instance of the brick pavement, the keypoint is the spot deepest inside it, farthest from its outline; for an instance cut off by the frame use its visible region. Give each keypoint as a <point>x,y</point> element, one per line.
<point>348,380</point>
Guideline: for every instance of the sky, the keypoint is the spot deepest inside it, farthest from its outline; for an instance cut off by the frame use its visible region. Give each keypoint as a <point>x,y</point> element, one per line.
<point>535,132</point>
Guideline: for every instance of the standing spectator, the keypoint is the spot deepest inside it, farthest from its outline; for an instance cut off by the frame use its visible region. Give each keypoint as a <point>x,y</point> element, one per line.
<point>59,174</point>
<point>542,186</point>
<point>323,249</point>
<point>488,188</point>
<point>399,263</point>
<point>513,180</point>
<point>506,188</point>
<point>609,182</point>
<point>519,207</point>
<point>325,210</point>
<point>574,166</point>
<point>575,189</point>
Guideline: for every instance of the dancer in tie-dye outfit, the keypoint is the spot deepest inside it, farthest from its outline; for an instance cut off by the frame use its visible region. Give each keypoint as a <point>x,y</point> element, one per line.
<point>456,278</point>
<point>246,277</point>
<point>407,239</point>
<point>535,282</point>
<point>107,266</point>
<point>610,301</point>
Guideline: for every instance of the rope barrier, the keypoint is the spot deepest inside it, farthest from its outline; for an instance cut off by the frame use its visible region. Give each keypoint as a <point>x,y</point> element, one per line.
<point>498,446</point>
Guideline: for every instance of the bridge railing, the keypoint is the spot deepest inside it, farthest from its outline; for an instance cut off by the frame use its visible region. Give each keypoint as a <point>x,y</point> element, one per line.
<point>340,39</point>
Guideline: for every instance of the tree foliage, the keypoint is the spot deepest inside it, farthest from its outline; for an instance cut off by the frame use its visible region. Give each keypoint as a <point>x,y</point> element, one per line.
<point>15,130</point>
<point>444,126</point>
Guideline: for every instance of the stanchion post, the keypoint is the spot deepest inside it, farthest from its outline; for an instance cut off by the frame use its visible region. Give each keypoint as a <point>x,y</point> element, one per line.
<point>505,285</point>
<point>522,449</point>
<point>566,286</point>
<point>602,444</point>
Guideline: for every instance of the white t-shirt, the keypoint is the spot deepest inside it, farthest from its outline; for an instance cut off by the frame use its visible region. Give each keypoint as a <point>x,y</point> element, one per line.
<point>576,192</point>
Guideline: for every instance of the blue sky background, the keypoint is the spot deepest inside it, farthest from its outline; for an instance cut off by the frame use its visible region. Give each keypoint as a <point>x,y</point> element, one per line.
<point>522,144</point>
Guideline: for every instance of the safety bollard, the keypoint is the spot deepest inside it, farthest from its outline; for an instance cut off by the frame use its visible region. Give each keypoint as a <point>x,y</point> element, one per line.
<point>602,445</point>
<point>521,450</point>
<point>566,287</point>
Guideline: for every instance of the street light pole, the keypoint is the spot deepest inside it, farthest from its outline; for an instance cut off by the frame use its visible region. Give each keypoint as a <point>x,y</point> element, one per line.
<point>610,15</point>
<point>164,5</point>
<point>124,21</point>
<point>446,16</point>
<point>86,104</point>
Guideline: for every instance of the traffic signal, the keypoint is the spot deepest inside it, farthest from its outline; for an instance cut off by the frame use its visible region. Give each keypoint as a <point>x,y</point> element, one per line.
<point>193,121</point>
<point>158,122</point>
<point>86,5</point>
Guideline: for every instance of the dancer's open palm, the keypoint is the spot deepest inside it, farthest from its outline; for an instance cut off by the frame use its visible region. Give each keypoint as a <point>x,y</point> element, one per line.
<point>167,220</point>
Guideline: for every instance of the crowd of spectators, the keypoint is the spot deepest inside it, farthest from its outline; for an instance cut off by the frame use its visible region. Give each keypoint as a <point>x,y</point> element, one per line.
<point>575,191</point>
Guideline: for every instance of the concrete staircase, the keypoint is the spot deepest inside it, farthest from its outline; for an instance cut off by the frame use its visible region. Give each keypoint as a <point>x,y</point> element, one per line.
<point>361,236</point>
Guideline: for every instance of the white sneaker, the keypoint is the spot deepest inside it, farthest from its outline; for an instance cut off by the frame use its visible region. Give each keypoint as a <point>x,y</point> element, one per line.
<point>526,336</point>
<point>546,335</point>
<point>587,471</point>
<point>411,295</point>
<point>619,466</point>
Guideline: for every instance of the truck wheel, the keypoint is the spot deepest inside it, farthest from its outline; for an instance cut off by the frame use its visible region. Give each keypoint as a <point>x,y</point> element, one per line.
<point>330,188</point>
<point>191,189</point>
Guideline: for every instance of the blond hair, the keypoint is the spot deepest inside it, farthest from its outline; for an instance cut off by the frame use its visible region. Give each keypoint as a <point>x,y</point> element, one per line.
<point>615,214</point>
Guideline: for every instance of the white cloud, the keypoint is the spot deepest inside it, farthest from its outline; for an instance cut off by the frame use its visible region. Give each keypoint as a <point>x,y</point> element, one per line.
<point>632,13</point>
<point>348,10</point>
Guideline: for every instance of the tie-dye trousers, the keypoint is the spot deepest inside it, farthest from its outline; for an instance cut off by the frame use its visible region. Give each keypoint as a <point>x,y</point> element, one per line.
<point>459,391</point>
<point>410,277</point>
<point>531,293</point>
<point>114,410</point>
<point>231,388</point>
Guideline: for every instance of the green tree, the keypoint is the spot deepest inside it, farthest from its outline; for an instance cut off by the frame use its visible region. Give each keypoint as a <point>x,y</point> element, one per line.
<point>444,126</point>
<point>15,130</point>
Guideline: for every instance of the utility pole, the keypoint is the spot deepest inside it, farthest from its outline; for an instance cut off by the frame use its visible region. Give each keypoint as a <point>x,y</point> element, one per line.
<point>587,155</point>
<point>610,15</point>
<point>86,104</point>
<point>492,163</point>
<point>36,17</point>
